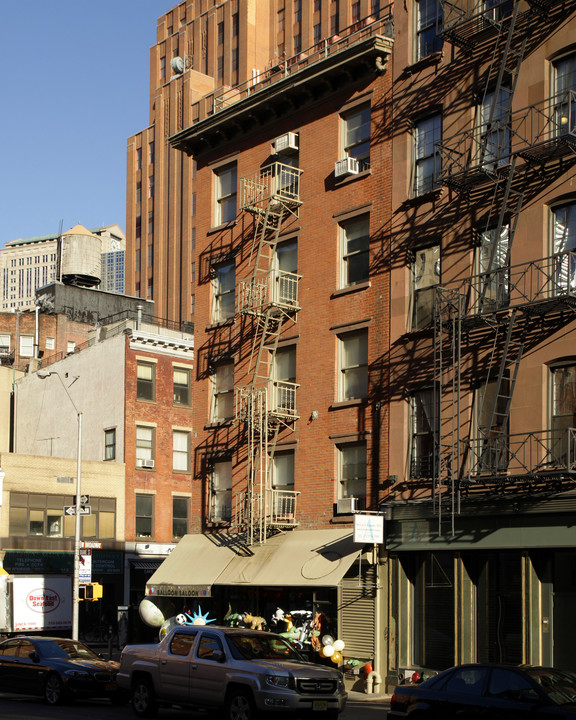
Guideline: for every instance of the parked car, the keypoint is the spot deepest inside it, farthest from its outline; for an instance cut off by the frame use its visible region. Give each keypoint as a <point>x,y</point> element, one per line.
<point>235,671</point>
<point>57,669</point>
<point>497,692</point>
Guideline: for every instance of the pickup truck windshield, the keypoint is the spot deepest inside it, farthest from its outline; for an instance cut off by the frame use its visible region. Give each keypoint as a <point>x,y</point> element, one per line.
<point>258,647</point>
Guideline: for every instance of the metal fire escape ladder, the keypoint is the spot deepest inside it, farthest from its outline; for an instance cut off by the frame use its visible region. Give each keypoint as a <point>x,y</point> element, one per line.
<point>270,202</point>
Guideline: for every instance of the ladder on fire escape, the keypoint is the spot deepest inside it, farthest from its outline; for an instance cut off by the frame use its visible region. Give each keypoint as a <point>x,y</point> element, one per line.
<point>270,300</point>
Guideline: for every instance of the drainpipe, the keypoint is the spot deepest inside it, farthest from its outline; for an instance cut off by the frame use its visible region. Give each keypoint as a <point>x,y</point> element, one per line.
<point>36,332</point>
<point>373,679</point>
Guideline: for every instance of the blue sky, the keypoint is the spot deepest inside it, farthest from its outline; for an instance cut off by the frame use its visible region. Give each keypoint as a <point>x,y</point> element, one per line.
<point>74,79</point>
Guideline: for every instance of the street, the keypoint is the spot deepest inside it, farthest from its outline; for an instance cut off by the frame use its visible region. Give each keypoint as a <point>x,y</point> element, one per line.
<point>16,707</point>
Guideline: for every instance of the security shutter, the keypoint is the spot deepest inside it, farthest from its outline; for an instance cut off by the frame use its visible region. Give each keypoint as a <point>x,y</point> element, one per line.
<point>358,612</point>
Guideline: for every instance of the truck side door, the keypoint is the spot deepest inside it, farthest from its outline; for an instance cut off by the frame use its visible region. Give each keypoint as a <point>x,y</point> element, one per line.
<point>208,672</point>
<point>174,666</point>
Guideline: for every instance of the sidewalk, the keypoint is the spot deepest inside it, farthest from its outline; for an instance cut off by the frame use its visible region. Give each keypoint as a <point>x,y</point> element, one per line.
<point>368,697</point>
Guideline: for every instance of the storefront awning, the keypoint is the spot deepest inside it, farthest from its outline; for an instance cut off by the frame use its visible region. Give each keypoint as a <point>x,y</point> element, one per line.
<point>191,568</point>
<point>318,558</point>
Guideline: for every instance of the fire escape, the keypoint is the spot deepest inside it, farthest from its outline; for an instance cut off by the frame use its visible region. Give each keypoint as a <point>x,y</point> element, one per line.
<point>500,306</point>
<point>269,300</point>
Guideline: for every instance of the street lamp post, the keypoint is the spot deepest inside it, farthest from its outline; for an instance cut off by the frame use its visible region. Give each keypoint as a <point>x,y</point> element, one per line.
<point>76,577</point>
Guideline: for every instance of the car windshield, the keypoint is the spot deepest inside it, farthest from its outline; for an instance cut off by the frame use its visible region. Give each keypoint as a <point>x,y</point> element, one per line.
<point>256,647</point>
<point>65,649</point>
<point>558,685</point>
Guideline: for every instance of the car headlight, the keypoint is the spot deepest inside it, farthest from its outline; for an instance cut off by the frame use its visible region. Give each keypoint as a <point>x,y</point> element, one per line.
<point>76,674</point>
<point>341,685</point>
<point>280,681</point>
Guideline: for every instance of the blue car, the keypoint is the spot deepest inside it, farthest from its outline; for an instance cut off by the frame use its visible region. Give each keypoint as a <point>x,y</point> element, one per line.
<point>57,669</point>
<point>494,692</point>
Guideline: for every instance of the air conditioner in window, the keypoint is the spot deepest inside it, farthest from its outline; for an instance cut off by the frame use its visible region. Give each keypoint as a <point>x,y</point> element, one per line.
<point>346,166</point>
<point>286,143</point>
<point>149,464</point>
<point>346,506</point>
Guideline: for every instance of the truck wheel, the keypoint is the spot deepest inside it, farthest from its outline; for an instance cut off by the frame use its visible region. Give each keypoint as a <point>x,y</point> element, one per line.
<point>240,706</point>
<point>53,689</point>
<point>143,698</point>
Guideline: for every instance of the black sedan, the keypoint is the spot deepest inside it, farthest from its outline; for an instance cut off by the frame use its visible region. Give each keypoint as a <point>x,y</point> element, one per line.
<point>494,692</point>
<point>56,668</point>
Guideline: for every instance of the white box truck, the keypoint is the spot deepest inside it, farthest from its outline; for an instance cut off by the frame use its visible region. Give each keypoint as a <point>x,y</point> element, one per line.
<point>35,603</point>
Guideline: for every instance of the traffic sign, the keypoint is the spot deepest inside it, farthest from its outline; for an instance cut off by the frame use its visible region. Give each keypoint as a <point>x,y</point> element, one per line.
<point>71,510</point>
<point>84,499</point>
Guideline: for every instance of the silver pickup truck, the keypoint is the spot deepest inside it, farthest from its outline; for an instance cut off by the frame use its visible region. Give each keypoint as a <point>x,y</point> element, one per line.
<point>243,672</point>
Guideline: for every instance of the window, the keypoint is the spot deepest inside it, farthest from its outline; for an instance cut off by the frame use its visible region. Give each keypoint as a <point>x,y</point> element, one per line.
<point>70,347</point>
<point>428,22</point>
<point>355,247</point>
<point>353,361</point>
<point>283,401</point>
<point>146,381</point>
<point>5,344</point>
<point>223,292</point>
<point>424,412</point>
<point>221,491</point>
<point>509,685</point>
<point>151,186</point>
<point>356,11</point>
<point>352,472</point>
<point>144,443</point>
<point>563,415</point>
<point>182,386</point>
<point>110,444</point>
<point>564,81</point>
<point>286,289</point>
<point>139,158</point>
<point>180,524</point>
<point>495,135</point>
<point>493,284</point>
<point>490,414</point>
<point>144,516</point>
<point>209,648</point>
<point>564,247</point>
<point>283,471</point>
<point>151,152</point>
<point>220,33</point>
<point>356,135</point>
<point>427,133</point>
<point>162,67</point>
<point>425,278</point>
<point>226,182</point>
<point>498,9</point>
<point>223,393</point>
<point>317,33</point>
<point>26,345</point>
<point>181,450</point>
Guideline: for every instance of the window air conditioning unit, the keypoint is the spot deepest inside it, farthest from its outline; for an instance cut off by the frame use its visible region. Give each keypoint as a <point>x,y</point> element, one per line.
<point>149,464</point>
<point>346,506</point>
<point>287,143</point>
<point>346,166</point>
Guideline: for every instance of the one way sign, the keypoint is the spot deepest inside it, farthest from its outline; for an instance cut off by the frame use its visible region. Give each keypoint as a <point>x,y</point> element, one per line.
<point>71,510</point>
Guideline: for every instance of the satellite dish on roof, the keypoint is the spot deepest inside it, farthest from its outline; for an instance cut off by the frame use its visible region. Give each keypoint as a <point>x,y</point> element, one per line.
<point>177,65</point>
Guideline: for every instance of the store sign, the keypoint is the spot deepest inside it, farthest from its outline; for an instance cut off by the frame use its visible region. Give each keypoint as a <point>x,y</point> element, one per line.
<point>368,529</point>
<point>179,590</point>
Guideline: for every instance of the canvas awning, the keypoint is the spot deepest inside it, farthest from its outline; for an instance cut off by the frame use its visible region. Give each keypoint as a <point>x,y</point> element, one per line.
<point>312,558</point>
<point>191,568</point>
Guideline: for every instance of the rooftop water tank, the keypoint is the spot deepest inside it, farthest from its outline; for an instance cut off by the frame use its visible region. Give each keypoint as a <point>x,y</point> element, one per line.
<point>81,257</point>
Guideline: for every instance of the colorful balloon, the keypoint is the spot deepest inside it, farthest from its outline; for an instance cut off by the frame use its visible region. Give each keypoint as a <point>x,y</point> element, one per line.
<point>327,640</point>
<point>339,645</point>
<point>368,668</point>
<point>336,657</point>
<point>328,650</point>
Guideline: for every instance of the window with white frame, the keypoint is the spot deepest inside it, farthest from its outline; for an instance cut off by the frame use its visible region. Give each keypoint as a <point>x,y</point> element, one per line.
<point>353,365</point>
<point>352,472</point>
<point>27,345</point>
<point>223,292</point>
<point>495,131</point>
<point>564,248</point>
<point>286,263</point>
<point>355,250</point>
<point>144,516</point>
<point>563,411</point>
<point>424,424</point>
<point>225,193</point>
<point>181,450</point>
<point>50,343</point>
<point>110,444</point>
<point>223,392</point>
<point>4,343</point>
<point>70,347</point>
<point>425,278</point>
<point>427,135</point>
<point>428,24</point>
<point>356,135</point>
<point>144,443</point>
<point>221,491</point>
<point>497,10</point>
<point>145,381</point>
